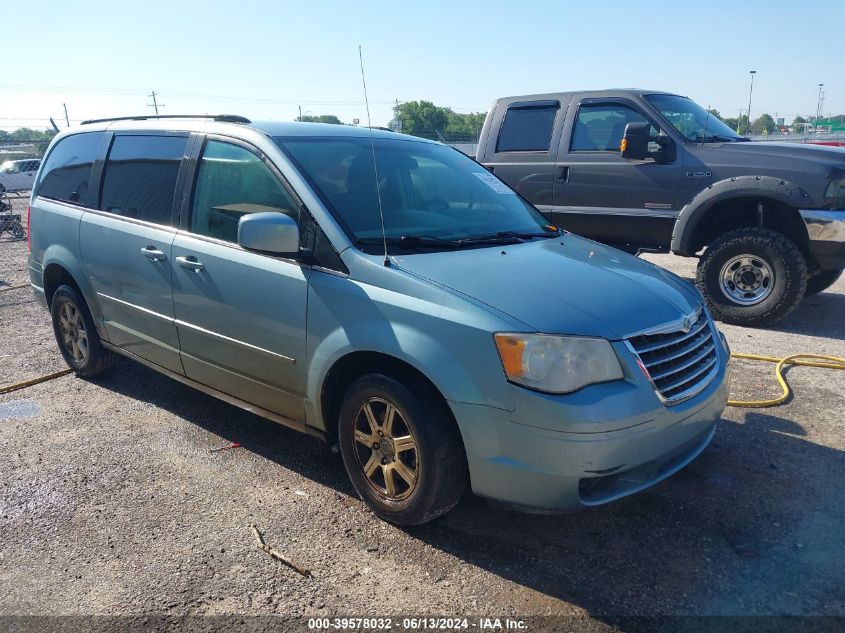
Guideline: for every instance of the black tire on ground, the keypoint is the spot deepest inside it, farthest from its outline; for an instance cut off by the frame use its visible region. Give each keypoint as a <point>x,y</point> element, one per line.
<point>76,335</point>
<point>17,231</point>
<point>822,281</point>
<point>436,464</point>
<point>787,283</point>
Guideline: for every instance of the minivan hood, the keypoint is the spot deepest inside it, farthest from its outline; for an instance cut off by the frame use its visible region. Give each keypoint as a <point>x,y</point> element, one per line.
<point>568,285</point>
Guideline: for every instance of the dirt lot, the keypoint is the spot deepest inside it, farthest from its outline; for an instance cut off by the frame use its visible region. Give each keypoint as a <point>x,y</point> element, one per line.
<point>111,503</point>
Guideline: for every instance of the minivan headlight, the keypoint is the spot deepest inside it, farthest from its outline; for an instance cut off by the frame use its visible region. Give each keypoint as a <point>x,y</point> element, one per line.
<point>557,364</point>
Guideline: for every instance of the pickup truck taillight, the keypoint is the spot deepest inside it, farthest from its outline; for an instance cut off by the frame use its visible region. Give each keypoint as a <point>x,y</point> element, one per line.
<point>29,228</point>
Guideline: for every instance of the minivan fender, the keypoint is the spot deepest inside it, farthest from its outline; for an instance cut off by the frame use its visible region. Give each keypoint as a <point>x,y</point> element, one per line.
<point>414,347</point>
<point>59,255</point>
<point>764,187</point>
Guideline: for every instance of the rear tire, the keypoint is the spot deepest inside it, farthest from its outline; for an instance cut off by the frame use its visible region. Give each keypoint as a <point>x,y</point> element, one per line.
<point>752,277</point>
<point>402,449</point>
<point>822,281</point>
<point>76,334</point>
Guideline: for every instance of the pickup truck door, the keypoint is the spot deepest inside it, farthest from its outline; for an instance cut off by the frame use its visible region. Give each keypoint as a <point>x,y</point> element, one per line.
<point>602,196</point>
<point>240,314</point>
<point>524,137</point>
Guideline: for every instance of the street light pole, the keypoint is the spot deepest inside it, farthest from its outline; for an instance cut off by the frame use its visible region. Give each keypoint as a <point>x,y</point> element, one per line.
<point>819,107</point>
<point>748,112</point>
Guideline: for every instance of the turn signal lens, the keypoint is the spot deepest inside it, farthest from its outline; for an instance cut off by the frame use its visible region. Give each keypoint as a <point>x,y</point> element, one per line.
<point>623,145</point>
<point>510,351</point>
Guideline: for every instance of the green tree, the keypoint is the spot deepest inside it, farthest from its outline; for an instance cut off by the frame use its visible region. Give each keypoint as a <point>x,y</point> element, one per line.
<point>739,124</point>
<point>421,118</point>
<point>464,126</point>
<point>322,118</point>
<point>715,113</point>
<point>764,124</point>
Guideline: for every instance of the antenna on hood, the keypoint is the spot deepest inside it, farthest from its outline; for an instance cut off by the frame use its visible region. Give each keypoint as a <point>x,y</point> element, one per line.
<point>373,150</point>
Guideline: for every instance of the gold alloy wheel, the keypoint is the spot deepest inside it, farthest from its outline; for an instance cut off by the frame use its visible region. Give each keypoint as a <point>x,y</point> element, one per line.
<point>385,449</point>
<point>74,336</point>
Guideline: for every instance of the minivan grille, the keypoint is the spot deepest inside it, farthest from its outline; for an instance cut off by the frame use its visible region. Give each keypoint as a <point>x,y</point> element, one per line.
<point>679,363</point>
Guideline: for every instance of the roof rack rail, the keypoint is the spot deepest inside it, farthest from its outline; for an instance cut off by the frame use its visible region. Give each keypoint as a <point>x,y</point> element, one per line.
<point>225,118</point>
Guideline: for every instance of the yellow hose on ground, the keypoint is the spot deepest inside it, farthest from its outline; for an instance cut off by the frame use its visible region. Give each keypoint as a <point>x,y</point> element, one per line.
<point>34,381</point>
<point>13,287</point>
<point>803,360</point>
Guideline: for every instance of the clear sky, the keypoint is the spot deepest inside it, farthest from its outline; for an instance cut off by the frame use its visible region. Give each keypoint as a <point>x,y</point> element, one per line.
<point>264,59</point>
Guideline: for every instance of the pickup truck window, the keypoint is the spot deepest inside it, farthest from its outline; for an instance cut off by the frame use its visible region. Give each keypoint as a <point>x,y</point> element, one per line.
<point>527,129</point>
<point>600,127</point>
<point>691,120</point>
<point>140,176</point>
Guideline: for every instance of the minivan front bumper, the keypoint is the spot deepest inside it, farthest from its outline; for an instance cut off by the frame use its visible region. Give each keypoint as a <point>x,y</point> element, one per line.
<point>523,461</point>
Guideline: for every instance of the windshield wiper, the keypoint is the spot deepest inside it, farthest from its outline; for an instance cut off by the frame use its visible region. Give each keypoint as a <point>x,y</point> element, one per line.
<point>411,241</point>
<point>718,138</point>
<point>508,237</point>
<point>431,241</point>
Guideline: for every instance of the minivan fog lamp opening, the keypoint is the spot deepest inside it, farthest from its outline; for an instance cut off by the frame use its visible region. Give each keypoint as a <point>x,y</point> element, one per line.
<point>556,364</point>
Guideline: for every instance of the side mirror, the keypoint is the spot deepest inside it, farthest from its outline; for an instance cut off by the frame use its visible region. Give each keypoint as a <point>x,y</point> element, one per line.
<point>634,144</point>
<point>269,232</point>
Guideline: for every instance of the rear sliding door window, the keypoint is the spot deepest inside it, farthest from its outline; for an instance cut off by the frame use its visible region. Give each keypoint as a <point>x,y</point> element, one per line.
<point>140,177</point>
<point>67,174</point>
<point>528,128</point>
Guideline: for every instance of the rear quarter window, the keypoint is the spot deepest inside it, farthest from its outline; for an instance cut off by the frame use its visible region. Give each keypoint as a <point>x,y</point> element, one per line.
<point>67,173</point>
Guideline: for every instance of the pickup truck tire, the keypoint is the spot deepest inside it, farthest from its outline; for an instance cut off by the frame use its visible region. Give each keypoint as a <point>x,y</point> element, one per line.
<point>76,335</point>
<point>402,449</point>
<point>822,281</point>
<point>752,277</point>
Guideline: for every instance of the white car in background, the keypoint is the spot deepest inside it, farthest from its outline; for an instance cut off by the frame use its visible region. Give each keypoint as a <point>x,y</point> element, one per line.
<point>18,175</point>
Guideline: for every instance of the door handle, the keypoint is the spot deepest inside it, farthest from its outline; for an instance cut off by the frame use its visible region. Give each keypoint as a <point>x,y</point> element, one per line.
<point>153,254</point>
<point>562,174</point>
<point>190,262</point>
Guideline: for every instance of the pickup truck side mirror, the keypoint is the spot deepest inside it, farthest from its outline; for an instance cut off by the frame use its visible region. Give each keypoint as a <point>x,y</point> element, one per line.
<point>269,232</point>
<point>634,143</point>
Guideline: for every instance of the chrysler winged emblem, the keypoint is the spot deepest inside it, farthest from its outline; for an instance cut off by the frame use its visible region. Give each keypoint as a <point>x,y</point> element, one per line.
<point>687,324</point>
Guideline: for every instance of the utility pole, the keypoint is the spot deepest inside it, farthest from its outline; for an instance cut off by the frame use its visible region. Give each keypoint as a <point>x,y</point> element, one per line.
<point>155,104</point>
<point>67,120</point>
<point>750,91</point>
<point>819,104</point>
<point>300,114</point>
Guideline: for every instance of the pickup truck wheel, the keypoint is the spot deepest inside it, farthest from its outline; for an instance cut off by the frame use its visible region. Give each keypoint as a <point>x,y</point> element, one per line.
<point>752,277</point>
<point>402,450</point>
<point>822,281</point>
<point>76,335</point>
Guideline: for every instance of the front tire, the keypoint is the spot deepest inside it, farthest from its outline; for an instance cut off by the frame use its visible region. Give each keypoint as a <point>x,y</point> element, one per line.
<point>752,277</point>
<point>76,335</point>
<point>402,449</point>
<point>822,281</point>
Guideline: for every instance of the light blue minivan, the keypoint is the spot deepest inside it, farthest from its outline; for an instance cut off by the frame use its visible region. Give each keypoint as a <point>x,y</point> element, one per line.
<point>380,291</point>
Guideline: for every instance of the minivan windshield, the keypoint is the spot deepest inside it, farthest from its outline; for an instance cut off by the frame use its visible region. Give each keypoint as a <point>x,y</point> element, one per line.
<point>432,196</point>
<point>693,121</point>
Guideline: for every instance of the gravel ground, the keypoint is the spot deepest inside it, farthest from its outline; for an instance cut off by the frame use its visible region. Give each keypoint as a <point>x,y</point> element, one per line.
<point>112,504</point>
